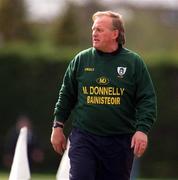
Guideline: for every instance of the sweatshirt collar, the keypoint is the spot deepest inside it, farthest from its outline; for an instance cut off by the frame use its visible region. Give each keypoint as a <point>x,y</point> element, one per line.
<point>111,53</point>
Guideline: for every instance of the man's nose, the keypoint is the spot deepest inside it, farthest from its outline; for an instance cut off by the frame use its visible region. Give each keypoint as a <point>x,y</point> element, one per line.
<point>94,33</point>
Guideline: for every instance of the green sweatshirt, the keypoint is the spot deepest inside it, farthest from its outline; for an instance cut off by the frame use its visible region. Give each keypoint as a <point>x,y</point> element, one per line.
<point>107,93</point>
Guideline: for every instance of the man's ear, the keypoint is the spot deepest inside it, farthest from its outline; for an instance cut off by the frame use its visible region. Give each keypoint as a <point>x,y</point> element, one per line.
<point>116,34</point>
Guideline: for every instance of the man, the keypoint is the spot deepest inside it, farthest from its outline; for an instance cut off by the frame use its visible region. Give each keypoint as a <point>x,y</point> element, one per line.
<point>35,152</point>
<point>112,99</point>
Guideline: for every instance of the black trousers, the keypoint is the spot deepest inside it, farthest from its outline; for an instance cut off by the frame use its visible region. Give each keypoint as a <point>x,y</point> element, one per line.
<point>95,157</point>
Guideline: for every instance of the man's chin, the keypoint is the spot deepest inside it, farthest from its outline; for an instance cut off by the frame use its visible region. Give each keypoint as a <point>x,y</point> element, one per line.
<point>95,46</point>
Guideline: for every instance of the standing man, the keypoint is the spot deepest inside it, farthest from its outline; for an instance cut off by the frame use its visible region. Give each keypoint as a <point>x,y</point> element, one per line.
<point>111,96</point>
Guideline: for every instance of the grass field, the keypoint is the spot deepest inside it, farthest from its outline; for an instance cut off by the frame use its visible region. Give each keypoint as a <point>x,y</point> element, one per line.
<point>4,176</point>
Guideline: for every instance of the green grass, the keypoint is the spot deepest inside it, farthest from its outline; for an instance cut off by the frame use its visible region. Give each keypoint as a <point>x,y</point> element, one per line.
<point>5,175</point>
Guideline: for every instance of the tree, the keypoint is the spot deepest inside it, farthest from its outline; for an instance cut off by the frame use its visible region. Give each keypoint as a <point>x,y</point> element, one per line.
<point>85,17</point>
<point>74,28</point>
<point>66,30</point>
<point>13,21</point>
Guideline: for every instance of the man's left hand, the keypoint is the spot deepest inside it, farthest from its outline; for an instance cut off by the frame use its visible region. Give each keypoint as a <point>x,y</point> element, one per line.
<point>139,143</point>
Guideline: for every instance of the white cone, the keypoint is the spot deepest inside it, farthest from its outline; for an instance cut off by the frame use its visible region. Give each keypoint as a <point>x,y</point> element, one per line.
<point>20,167</point>
<point>64,167</point>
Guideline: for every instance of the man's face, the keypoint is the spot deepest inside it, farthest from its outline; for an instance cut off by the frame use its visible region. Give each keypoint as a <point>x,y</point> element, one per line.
<point>103,35</point>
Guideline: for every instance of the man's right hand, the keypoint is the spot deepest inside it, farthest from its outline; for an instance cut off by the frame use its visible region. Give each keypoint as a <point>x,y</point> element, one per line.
<point>58,140</point>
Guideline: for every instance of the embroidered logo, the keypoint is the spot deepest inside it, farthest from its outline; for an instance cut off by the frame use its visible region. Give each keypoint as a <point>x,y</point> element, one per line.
<point>102,80</point>
<point>89,69</point>
<point>121,71</point>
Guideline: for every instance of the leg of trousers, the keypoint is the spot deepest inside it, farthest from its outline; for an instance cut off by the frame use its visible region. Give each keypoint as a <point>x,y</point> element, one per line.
<point>95,157</point>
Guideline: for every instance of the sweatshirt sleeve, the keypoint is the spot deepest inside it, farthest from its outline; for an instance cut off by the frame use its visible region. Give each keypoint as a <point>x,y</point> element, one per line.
<point>146,105</point>
<point>67,94</point>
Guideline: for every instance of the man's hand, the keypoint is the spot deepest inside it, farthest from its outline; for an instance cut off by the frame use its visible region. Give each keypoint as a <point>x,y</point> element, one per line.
<point>139,143</point>
<point>58,140</point>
